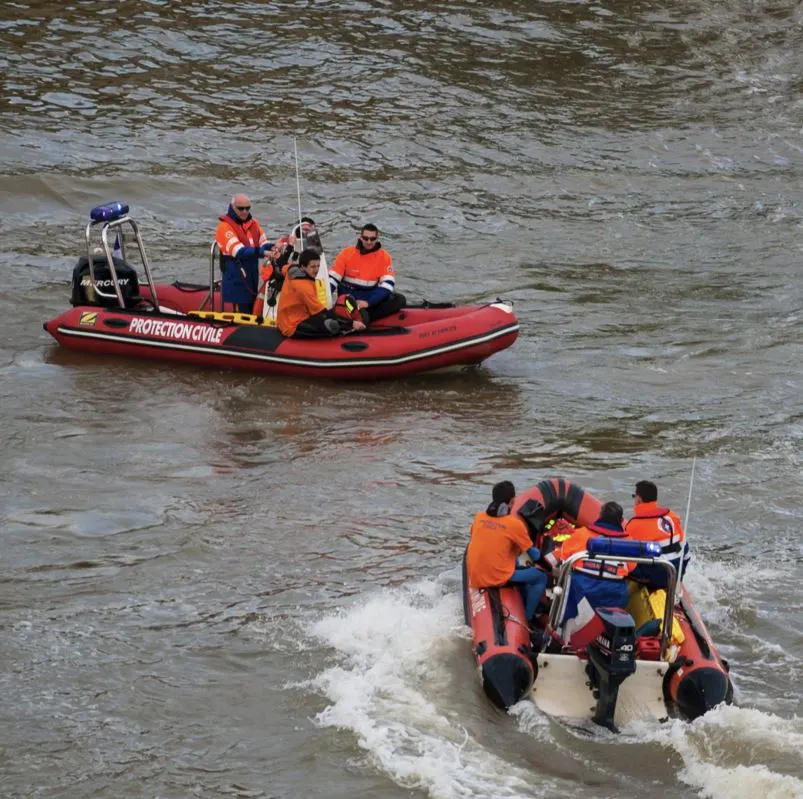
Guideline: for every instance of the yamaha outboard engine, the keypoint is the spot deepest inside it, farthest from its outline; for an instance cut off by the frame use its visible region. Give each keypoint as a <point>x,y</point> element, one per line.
<point>83,288</point>
<point>611,660</point>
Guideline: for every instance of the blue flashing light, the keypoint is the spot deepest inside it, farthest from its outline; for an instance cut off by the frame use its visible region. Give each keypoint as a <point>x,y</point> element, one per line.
<point>623,548</point>
<point>108,212</point>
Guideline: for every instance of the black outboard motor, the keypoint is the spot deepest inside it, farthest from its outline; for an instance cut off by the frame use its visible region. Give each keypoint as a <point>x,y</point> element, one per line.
<point>83,290</point>
<point>611,660</point>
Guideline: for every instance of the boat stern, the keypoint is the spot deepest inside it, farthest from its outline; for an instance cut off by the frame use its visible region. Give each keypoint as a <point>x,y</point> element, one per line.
<point>562,690</point>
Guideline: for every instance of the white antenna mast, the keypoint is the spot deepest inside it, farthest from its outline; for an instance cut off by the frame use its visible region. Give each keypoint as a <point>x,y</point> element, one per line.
<point>688,504</point>
<point>298,193</point>
<point>682,565</point>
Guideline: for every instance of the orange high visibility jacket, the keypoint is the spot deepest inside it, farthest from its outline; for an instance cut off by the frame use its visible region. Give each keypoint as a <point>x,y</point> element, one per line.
<point>496,542</point>
<point>577,542</point>
<point>653,523</point>
<point>231,237</point>
<point>367,275</point>
<point>297,301</point>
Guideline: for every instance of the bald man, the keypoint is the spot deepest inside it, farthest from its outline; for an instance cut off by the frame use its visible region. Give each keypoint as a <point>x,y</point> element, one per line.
<point>242,243</point>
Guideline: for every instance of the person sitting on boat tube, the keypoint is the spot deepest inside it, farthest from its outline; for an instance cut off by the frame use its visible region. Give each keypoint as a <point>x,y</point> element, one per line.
<point>498,537</point>
<point>242,243</point>
<point>364,271</point>
<point>653,523</point>
<point>594,583</point>
<point>302,310</point>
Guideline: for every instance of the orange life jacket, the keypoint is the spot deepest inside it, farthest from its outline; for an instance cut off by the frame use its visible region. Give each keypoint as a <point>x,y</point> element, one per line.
<point>231,237</point>
<point>363,270</point>
<point>578,541</point>
<point>653,523</point>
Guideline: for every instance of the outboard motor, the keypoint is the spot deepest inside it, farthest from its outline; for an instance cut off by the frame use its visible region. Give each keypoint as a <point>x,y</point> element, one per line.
<point>611,660</point>
<point>83,289</point>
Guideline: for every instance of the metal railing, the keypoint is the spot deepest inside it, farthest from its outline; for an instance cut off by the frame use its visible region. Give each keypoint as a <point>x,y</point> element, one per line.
<point>214,257</point>
<point>564,581</point>
<point>117,225</point>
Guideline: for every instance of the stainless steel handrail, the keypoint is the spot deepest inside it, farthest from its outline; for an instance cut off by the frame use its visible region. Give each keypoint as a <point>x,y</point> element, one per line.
<point>565,579</point>
<point>214,251</point>
<point>117,224</point>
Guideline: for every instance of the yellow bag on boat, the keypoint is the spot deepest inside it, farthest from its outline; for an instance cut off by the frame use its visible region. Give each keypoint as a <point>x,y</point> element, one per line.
<point>645,606</point>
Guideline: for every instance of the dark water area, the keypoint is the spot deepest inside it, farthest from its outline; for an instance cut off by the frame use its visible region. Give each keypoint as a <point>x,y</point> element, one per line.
<point>219,584</point>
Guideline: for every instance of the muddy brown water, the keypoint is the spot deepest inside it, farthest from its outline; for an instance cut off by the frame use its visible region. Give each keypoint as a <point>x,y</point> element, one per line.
<point>218,584</point>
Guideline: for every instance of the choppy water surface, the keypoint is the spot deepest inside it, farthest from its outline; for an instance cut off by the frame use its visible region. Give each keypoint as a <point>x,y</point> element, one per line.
<point>217,584</point>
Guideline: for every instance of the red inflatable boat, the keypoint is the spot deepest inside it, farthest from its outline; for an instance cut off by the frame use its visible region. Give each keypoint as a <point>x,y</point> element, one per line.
<point>654,658</point>
<point>113,314</point>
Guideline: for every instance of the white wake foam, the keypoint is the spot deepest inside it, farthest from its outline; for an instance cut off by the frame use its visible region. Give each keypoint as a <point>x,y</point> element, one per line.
<point>395,660</point>
<point>735,753</point>
<point>394,652</point>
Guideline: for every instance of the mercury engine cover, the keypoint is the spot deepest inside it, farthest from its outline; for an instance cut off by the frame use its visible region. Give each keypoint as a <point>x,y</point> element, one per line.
<point>611,660</point>
<point>83,289</point>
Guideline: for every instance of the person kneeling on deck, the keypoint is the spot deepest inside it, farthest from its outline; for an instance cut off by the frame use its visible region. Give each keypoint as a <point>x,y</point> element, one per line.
<point>301,311</point>
<point>498,537</point>
<point>594,583</point>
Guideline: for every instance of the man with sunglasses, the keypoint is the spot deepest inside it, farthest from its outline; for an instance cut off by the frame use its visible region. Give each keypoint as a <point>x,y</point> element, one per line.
<point>242,243</point>
<point>364,272</point>
<point>651,522</point>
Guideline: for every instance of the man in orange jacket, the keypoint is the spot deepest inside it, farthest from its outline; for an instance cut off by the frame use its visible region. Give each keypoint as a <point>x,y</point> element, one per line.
<point>498,537</point>
<point>653,523</point>
<point>300,312</point>
<point>365,272</point>
<point>242,243</point>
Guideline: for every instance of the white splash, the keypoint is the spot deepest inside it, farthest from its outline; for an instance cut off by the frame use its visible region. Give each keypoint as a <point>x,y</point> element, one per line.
<point>395,652</point>
<point>392,683</point>
<point>735,753</point>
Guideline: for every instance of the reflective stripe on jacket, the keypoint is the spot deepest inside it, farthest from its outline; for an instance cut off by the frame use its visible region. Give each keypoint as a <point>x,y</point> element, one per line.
<point>232,235</point>
<point>366,275</point>
<point>240,275</point>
